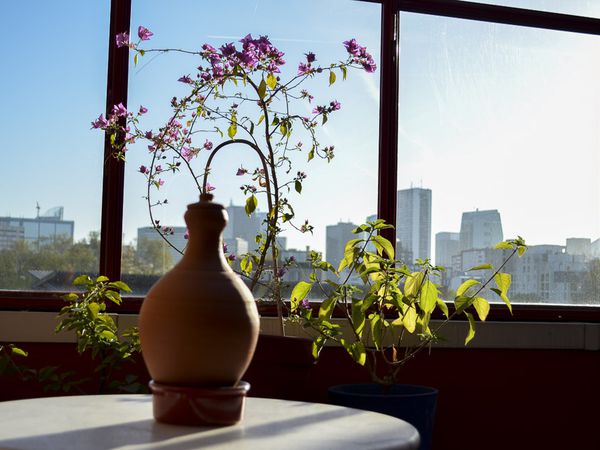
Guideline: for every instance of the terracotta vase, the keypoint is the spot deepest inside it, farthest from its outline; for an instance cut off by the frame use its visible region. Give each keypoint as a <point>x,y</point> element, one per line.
<point>199,323</point>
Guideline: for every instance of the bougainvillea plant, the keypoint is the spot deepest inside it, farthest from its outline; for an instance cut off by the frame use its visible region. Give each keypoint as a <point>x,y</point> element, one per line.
<point>386,322</point>
<point>236,94</point>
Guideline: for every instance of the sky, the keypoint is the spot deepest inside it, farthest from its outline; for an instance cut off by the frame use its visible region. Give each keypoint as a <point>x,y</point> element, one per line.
<point>491,116</point>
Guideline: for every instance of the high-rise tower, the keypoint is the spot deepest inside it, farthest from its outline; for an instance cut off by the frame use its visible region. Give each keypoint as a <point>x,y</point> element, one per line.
<point>413,224</point>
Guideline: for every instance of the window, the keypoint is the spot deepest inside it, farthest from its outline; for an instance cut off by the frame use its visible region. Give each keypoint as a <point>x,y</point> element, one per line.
<point>53,82</point>
<point>454,92</point>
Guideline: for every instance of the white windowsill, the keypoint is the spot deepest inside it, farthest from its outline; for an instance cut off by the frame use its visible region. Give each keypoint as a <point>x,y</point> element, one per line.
<point>22,326</point>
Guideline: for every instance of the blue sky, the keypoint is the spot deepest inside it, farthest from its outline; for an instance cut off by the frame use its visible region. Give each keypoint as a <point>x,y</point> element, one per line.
<point>492,116</point>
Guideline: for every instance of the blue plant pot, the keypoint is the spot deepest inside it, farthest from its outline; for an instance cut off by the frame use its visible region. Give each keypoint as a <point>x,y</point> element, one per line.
<point>414,404</point>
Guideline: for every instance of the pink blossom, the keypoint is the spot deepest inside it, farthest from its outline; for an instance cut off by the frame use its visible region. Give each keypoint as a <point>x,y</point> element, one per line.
<point>241,171</point>
<point>143,169</point>
<point>185,79</point>
<point>144,33</point>
<point>304,69</point>
<point>209,187</point>
<point>100,122</point>
<point>122,39</point>
<point>143,110</point>
<point>208,145</point>
<point>119,110</point>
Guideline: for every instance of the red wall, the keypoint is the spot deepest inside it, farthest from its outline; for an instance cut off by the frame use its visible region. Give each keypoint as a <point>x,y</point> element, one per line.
<point>489,399</point>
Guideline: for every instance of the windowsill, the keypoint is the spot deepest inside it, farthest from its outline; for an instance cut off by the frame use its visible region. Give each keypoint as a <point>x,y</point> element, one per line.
<point>23,326</point>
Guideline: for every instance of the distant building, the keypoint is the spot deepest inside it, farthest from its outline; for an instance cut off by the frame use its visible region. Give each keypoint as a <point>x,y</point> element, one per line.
<point>41,230</point>
<point>447,245</point>
<point>595,248</point>
<point>579,246</point>
<point>546,273</point>
<point>240,225</point>
<point>480,229</point>
<point>335,241</point>
<point>413,223</point>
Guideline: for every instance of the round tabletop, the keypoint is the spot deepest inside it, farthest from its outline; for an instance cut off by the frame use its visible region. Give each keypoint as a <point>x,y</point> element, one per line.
<point>126,422</point>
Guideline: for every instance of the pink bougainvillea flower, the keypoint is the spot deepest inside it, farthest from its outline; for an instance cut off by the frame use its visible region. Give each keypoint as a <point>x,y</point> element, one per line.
<point>369,65</point>
<point>185,79</point>
<point>208,145</point>
<point>209,187</point>
<point>119,110</point>
<point>304,69</point>
<point>122,39</point>
<point>143,110</point>
<point>144,33</point>
<point>143,169</point>
<point>100,122</point>
<point>335,105</point>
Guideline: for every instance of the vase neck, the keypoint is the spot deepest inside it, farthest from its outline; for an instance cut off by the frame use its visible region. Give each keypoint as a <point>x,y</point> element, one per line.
<point>205,221</point>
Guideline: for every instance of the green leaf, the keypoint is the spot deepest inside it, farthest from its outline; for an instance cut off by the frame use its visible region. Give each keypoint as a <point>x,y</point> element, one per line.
<point>503,244</point>
<point>471,333</point>
<point>465,287</point>
<point>232,130</point>
<point>429,295</point>
<point>385,245</point>
<point>311,154</point>
<point>413,284</point>
<point>93,308</point>
<point>135,59</point>
<point>251,204</point>
<point>358,352</point>
<point>246,265</point>
<point>462,302</point>
<point>298,186</point>
<point>376,330</point>
<point>410,319</point>
<point>442,305</point>
<point>481,267</point>
<point>260,119</point>
<point>120,285</point>
<point>326,308</point>
<point>283,128</point>
<point>262,89</point>
<point>482,307</point>
<point>317,346</point>
<point>82,279</point>
<point>299,293</point>
<point>331,77</point>
<point>113,297</point>
<point>108,335</point>
<point>503,281</point>
<point>344,72</point>
<point>271,81</point>
<point>358,316</point>
<point>348,254</point>
<point>18,351</point>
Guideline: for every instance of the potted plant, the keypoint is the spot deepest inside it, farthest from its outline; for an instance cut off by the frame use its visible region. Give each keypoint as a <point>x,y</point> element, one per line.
<point>238,96</point>
<point>385,320</point>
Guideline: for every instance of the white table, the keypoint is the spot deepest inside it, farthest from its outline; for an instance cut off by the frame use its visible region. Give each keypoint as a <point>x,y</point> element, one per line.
<point>125,422</point>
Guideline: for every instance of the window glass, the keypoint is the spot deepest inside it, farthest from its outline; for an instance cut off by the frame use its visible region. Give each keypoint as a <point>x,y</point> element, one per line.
<point>343,190</point>
<point>499,137</point>
<point>52,84</point>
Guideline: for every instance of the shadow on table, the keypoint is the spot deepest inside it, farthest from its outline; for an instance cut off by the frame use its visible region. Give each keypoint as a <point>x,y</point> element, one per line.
<point>149,431</point>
